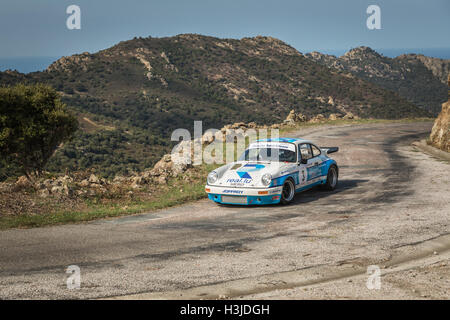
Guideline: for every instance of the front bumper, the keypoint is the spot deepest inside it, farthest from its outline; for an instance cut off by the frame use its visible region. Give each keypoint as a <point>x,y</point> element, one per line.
<point>244,196</point>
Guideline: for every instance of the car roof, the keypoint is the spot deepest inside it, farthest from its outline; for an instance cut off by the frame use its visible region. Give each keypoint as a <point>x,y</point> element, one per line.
<point>291,140</point>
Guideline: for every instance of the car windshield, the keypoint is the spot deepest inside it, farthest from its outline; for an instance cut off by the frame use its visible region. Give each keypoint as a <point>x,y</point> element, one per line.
<point>268,154</point>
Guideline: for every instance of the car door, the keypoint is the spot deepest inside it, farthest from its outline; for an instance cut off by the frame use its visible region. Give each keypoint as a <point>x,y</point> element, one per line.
<point>315,163</point>
<point>304,152</point>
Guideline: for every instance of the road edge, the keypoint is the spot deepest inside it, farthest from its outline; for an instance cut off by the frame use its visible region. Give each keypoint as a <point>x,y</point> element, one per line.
<point>430,150</point>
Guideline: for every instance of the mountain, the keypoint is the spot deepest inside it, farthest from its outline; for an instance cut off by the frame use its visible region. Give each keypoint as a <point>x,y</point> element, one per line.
<point>419,79</point>
<point>130,97</point>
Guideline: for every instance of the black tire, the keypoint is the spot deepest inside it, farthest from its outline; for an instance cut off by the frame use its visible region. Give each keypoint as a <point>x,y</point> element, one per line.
<point>332,178</point>
<point>288,192</point>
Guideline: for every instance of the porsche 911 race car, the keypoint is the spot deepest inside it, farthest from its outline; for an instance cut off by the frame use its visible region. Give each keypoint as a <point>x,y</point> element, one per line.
<point>271,171</point>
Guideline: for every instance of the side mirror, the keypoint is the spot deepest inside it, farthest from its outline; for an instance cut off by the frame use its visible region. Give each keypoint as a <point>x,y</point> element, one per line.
<point>303,161</point>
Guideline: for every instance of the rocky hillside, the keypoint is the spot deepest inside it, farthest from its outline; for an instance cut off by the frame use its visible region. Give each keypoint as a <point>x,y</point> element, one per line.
<point>419,79</point>
<point>130,97</point>
<point>439,67</point>
<point>440,134</point>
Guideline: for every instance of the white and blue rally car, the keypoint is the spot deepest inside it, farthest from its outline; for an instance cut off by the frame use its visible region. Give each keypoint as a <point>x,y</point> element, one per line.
<point>271,171</point>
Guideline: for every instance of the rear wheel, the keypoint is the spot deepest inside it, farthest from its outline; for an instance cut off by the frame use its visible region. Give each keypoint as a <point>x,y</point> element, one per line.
<point>332,179</point>
<point>288,192</point>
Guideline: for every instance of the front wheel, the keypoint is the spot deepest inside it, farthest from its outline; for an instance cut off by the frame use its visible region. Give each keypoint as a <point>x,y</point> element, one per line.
<point>288,192</point>
<point>332,178</point>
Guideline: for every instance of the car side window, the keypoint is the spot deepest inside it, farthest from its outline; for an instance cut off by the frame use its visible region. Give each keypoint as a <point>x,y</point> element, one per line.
<point>315,151</point>
<point>305,151</point>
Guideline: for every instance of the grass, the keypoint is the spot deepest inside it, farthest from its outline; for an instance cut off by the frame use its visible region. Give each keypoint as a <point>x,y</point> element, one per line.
<point>175,193</point>
<point>339,122</point>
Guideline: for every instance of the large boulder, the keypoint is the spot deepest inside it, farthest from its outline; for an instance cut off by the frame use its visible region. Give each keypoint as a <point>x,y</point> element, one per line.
<point>440,133</point>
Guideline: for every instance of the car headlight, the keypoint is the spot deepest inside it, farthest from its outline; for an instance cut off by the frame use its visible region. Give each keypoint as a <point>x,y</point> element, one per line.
<point>266,179</point>
<point>212,177</point>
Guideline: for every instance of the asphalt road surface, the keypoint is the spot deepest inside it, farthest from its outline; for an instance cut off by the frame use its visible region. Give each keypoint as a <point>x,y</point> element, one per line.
<point>391,209</point>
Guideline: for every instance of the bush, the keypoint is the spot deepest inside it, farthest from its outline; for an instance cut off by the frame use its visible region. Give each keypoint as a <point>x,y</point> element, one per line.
<point>33,123</point>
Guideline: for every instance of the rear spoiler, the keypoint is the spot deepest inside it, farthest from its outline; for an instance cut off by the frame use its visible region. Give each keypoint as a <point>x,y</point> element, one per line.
<point>329,150</point>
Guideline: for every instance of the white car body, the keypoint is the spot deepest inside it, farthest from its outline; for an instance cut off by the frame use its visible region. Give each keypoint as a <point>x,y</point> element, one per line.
<point>241,182</point>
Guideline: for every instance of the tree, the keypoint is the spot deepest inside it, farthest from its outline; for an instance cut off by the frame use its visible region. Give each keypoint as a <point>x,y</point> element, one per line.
<point>33,123</point>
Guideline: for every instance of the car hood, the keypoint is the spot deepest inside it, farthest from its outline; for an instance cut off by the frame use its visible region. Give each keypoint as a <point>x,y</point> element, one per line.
<point>249,173</point>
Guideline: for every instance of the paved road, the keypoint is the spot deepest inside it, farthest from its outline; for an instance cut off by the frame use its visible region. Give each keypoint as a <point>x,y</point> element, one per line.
<point>390,200</point>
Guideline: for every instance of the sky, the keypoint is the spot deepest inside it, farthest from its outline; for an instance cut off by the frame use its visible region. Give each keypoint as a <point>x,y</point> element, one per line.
<point>36,28</point>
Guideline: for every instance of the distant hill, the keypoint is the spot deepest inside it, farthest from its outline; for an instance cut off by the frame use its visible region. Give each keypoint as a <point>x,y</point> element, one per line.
<point>130,97</point>
<point>419,79</point>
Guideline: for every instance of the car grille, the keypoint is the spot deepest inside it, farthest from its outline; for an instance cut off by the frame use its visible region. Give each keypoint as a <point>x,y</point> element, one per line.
<point>234,199</point>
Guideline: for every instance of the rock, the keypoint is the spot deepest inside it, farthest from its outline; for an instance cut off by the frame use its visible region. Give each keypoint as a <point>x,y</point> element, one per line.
<point>440,133</point>
<point>226,127</point>
<point>84,183</point>
<point>301,117</point>
<point>208,137</point>
<point>318,118</point>
<point>291,116</point>
<point>119,179</point>
<point>330,100</point>
<point>48,183</point>
<point>66,179</point>
<point>93,179</point>
<point>80,192</point>
<point>350,116</point>
<point>234,133</point>
<point>61,190</point>
<point>162,179</point>
<point>289,122</point>
<point>178,168</point>
<point>238,125</point>
<point>135,186</point>
<point>44,193</point>
<point>333,117</point>
<point>23,182</point>
<point>164,163</point>
<point>219,136</point>
<point>275,126</point>
<point>294,117</point>
<point>138,181</point>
